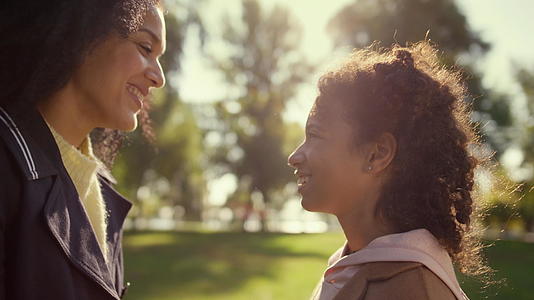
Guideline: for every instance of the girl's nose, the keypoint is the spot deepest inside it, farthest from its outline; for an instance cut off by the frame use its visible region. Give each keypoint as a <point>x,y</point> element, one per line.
<point>296,158</point>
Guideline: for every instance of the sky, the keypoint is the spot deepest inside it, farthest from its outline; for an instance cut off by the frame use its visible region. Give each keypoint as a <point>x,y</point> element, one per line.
<point>506,25</point>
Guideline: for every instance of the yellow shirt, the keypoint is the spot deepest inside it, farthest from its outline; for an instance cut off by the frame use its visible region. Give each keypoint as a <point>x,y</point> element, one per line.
<point>82,166</point>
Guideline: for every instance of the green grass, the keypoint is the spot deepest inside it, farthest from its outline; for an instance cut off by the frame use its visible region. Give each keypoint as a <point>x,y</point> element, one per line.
<point>216,266</point>
<point>514,277</point>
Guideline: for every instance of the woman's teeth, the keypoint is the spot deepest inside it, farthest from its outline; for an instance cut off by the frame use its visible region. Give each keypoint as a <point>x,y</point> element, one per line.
<point>135,91</point>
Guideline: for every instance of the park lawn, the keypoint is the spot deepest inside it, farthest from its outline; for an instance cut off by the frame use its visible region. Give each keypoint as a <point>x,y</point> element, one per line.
<point>258,266</point>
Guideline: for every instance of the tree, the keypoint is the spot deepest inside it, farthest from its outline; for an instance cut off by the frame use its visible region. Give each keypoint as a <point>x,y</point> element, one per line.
<point>171,149</point>
<point>526,80</point>
<point>390,21</point>
<point>266,68</point>
<point>526,142</point>
<point>408,21</point>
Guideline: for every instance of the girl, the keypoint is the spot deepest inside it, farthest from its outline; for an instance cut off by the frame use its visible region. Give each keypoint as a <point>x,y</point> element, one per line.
<point>386,152</point>
<point>68,67</point>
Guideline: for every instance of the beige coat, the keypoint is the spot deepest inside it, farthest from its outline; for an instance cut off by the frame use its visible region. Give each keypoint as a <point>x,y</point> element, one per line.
<point>408,265</point>
<point>395,280</point>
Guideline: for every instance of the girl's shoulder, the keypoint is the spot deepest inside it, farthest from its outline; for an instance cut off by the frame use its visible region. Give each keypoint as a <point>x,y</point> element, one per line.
<point>406,280</point>
<point>395,280</point>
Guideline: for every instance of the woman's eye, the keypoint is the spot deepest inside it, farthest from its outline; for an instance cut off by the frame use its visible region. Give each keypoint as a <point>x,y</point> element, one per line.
<point>146,48</point>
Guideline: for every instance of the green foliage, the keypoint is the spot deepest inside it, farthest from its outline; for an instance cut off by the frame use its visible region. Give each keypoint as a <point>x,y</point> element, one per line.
<point>390,21</point>
<point>183,265</point>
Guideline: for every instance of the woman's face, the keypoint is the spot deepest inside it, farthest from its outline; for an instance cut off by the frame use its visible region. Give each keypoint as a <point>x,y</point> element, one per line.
<point>332,174</point>
<point>117,75</point>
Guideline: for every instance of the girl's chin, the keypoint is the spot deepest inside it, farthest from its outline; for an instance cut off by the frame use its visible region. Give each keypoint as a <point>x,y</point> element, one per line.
<point>310,205</point>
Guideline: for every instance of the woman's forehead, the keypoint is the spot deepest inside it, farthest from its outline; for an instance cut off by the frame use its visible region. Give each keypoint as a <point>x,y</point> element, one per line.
<point>154,24</point>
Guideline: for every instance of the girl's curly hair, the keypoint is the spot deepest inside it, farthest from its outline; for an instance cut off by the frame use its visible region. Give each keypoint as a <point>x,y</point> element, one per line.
<point>407,92</point>
<point>44,42</point>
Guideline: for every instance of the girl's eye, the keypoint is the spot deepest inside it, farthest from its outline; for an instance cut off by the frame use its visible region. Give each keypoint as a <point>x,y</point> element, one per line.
<point>312,135</point>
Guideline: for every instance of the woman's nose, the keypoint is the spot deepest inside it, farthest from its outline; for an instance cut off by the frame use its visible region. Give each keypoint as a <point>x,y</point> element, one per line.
<point>155,75</point>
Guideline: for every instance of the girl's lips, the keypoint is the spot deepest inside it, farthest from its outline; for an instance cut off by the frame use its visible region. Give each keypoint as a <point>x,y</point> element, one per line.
<point>302,182</point>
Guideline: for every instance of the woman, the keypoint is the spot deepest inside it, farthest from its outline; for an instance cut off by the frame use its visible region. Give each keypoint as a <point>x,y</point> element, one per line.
<point>72,66</point>
<point>386,152</point>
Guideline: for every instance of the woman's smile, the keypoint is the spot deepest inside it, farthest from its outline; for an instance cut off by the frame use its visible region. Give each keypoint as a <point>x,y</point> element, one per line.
<point>136,95</point>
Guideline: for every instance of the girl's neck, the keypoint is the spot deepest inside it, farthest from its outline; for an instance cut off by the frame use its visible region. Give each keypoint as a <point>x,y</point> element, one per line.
<point>362,225</point>
<point>360,233</point>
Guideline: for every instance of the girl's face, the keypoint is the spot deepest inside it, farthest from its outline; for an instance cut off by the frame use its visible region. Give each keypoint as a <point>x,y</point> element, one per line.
<point>332,175</point>
<point>117,75</point>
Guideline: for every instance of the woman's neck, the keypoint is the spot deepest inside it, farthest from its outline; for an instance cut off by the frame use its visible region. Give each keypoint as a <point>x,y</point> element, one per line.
<point>63,112</point>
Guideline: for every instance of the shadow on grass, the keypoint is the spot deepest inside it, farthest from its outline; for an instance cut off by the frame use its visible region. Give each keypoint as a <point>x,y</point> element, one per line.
<point>182,263</point>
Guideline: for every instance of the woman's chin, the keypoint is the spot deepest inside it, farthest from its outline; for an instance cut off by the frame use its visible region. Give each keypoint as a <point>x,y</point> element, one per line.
<point>127,124</point>
<point>130,128</point>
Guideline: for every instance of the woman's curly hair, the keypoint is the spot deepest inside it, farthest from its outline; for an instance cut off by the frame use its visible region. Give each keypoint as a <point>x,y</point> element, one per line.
<point>406,91</point>
<point>44,42</point>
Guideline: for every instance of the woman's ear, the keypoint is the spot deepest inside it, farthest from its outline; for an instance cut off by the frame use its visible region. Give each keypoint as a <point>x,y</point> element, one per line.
<point>382,153</point>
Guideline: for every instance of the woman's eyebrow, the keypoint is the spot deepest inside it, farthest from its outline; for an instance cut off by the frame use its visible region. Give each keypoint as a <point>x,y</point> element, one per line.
<point>154,36</point>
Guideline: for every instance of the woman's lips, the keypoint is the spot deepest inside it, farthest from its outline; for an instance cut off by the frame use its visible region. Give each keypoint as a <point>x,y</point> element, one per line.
<point>137,95</point>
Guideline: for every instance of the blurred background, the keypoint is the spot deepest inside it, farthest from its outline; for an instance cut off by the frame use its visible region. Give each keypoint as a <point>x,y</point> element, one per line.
<point>216,214</point>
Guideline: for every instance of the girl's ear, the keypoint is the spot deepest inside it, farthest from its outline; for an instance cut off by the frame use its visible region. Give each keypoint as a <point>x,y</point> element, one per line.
<point>381,154</point>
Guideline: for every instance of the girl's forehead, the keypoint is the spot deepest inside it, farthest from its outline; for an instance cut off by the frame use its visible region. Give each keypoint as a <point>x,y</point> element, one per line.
<point>313,110</point>
<point>324,110</point>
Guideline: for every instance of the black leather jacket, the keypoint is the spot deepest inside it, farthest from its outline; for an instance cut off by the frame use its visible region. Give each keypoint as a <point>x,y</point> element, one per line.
<point>48,249</point>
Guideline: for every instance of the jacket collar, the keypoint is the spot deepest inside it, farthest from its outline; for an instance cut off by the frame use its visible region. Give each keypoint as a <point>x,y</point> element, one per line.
<point>417,245</point>
<point>31,141</point>
<point>34,146</point>
<point>64,212</point>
